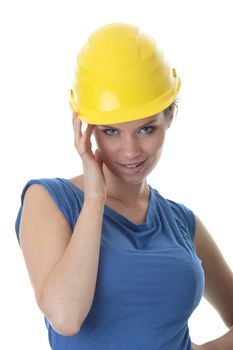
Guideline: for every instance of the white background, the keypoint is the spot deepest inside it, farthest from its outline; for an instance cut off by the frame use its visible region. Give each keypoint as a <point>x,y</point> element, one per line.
<point>39,42</point>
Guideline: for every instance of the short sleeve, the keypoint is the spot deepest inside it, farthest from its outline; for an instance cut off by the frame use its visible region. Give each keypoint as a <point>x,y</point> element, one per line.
<point>185,217</point>
<point>62,196</point>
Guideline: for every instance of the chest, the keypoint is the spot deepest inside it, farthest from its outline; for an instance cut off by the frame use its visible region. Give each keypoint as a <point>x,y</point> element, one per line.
<point>136,214</point>
<point>160,281</point>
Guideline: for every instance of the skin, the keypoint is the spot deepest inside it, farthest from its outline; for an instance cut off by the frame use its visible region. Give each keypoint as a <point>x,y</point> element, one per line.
<point>126,143</point>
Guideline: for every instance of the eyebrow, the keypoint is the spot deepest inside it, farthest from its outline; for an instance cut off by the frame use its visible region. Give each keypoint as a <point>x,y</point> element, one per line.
<point>110,126</point>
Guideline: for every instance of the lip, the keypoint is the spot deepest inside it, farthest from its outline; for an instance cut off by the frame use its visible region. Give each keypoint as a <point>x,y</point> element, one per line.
<point>133,170</point>
<point>133,163</point>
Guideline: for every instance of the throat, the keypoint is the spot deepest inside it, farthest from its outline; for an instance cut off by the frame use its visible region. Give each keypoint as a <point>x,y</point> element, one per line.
<point>135,213</point>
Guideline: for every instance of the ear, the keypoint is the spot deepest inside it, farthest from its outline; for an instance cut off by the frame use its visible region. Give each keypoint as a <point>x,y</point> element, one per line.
<point>169,116</point>
<point>170,121</point>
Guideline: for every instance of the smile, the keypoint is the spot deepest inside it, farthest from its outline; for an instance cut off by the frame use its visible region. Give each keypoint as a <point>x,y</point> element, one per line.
<point>137,168</point>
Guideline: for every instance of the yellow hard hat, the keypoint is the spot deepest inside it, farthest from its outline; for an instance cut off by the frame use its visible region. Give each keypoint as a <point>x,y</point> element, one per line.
<point>121,75</point>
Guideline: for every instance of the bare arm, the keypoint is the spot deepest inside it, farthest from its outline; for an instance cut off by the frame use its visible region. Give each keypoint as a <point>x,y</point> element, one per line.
<point>62,264</point>
<point>224,342</point>
<point>218,286</point>
<point>218,275</point>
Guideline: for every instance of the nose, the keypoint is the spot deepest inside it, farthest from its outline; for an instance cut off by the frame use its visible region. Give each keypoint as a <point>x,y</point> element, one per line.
<point>131,148</point>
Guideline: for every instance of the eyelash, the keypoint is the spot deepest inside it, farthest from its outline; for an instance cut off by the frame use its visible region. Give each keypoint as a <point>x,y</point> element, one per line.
<point>152,129</point>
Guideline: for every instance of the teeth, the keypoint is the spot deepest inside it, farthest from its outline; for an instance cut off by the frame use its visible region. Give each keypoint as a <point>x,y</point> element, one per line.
<point>132,166</point>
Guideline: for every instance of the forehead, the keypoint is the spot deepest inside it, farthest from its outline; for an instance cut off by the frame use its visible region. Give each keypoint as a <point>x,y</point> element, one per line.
<point>134,123</point>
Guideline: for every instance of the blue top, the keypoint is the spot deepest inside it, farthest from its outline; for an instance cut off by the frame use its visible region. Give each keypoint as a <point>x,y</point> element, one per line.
<point>149,280</point>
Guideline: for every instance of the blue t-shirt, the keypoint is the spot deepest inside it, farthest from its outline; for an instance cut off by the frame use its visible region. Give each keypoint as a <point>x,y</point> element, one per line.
<point>149,278</point>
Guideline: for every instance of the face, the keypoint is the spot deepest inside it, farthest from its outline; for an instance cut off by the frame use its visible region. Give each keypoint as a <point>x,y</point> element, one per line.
<point>132,142</point>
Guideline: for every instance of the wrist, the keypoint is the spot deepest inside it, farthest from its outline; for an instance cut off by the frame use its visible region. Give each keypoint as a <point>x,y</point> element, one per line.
<point>94,200</point>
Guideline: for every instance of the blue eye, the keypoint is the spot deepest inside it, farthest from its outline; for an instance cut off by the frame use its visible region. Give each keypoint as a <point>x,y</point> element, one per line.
<point>152,128</point>
<point>106,132</point>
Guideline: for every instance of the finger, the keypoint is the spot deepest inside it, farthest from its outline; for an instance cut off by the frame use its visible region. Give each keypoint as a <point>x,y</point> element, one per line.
<point>74,117</point>
<point>77,125</point>
<point>89,129</point>
<point>85,147</point>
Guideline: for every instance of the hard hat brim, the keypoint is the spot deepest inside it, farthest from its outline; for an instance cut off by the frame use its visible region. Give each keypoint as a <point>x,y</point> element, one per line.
<point>148,109</point>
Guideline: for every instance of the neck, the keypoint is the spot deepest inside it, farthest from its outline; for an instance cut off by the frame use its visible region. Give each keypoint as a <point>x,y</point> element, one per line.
<point>125,192</point>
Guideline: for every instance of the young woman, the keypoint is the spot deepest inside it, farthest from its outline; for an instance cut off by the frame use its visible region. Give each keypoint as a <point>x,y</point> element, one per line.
<point>115,265</point>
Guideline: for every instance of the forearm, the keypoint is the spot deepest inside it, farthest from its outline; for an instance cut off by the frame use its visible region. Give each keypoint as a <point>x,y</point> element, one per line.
<point>224,342</point>
<point>68,291</point>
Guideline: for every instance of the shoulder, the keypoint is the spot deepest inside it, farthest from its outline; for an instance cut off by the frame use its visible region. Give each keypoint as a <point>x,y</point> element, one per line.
<point>180,212</point>
<point>56,193</point>
<point>51,184</point>
<point>78,181</point>
<point>206,246</point>
<point>60,189</point>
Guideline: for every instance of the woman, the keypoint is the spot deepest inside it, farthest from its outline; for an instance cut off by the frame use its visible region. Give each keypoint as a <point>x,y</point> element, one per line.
<point>113,264</point>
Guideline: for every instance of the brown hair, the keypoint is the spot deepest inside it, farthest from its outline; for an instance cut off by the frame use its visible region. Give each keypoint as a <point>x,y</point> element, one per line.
<point>168,112</point>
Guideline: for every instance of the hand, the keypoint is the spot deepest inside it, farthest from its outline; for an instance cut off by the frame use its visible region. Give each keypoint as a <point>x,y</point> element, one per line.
<point>94,180</point>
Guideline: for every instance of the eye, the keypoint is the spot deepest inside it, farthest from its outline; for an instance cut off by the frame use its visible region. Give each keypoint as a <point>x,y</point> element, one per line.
<point>152,128</point>
<point>106,132</point>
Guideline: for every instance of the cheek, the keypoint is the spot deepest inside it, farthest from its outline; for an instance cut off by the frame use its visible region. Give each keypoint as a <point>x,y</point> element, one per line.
<point>98,139</point>
<point>103,145</point>
<point>157,141</point>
